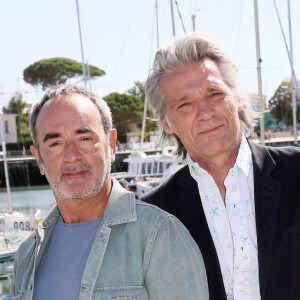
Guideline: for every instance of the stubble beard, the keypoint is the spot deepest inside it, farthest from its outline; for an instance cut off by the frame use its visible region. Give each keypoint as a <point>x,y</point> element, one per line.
<point>64,194</point>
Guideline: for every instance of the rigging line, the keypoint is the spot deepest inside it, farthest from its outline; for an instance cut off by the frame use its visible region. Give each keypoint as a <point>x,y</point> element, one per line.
<point>152,33</point>
<point>180,16</point>
<point>239,29</point>
<point>146,98</point>
<point>288,52</point>
<point>155,16</point>
<point>123,43</point>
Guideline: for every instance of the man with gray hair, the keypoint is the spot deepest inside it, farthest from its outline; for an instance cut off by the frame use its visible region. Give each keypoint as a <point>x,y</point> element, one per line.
<point>239,200</point>
<point>98,242</point>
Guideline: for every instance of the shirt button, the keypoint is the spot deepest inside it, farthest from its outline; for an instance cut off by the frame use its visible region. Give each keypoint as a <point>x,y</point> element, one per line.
<point>29,287</point>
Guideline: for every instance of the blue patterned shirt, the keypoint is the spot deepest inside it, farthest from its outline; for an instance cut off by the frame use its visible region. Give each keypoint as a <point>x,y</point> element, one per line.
<point>232,226</point>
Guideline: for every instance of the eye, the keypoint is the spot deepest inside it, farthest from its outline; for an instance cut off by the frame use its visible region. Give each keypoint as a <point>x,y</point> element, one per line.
<point>216,94</point>
<point>184,104</point>
<point>85,138</point>
<point>54,144</point>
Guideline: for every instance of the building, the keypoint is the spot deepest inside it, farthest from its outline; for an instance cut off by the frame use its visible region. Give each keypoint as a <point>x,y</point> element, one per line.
<point>8,125</point>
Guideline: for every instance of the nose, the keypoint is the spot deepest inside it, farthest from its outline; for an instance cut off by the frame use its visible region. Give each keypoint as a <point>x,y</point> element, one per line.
<point>71,153</point>
<point>204,109</point>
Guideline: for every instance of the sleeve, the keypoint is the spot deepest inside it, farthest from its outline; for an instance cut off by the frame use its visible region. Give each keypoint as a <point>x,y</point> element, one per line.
<point>175,267</point>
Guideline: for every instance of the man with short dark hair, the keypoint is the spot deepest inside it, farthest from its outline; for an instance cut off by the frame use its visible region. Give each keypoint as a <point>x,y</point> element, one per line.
<point>239,200</point>
<point>98,242</point>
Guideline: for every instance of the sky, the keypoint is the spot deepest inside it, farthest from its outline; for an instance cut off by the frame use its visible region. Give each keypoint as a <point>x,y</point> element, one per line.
<point>120,37</point>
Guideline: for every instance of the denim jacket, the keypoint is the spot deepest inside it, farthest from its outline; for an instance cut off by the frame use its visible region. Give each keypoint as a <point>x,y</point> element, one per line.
<point>139,252</point>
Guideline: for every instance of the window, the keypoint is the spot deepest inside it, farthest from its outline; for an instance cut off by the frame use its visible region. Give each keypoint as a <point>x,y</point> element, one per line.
<point>6,126</point>
<point>149,166</point>
<point>143,168</point>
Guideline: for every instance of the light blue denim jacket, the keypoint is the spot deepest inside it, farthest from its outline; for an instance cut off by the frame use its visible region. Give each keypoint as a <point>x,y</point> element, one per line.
<point>139,252</point>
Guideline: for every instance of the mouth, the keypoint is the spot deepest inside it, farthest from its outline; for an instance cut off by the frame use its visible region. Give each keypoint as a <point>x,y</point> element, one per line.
<point>210,129</point>
<point>75,174</point>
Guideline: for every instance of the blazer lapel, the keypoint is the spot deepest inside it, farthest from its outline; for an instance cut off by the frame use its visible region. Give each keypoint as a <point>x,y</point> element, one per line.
<point>267,196</point>
<point>192,215</point>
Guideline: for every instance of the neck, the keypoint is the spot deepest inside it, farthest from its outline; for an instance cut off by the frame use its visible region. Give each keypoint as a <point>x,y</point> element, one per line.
<point>86,209</point>
<point>219,166</point>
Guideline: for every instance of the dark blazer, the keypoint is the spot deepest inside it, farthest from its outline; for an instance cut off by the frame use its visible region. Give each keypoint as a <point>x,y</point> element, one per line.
<point>277,208</point>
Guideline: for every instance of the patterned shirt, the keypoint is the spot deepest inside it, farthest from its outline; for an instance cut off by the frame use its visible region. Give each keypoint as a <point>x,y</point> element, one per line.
<point>233,227</point>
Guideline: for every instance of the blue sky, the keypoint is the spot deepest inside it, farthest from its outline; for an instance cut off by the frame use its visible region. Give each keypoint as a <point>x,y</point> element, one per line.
<point>119,37</point>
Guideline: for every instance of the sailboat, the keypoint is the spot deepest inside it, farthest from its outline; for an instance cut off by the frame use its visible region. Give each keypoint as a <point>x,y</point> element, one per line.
<point>14,226</point>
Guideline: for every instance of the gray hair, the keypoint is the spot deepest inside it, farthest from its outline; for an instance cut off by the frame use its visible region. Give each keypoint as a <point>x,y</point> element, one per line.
<point>191,48</point>
<point>68,90</point>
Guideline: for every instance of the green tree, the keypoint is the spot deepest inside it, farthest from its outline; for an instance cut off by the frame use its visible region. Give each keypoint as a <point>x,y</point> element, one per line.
<point>54,71</point>
<point>127,110</point>
<point>16,105</point>
<point>281,104</point>
<point>139,90</point>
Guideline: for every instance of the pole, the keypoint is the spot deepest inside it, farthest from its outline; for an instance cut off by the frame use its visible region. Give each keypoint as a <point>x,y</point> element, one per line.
<point>89,74</point>
<point>172,14</point>
<point>82,55</point>
<point>157,33</point>
<point>293,80</point>
<point>5,163</point>
<point>258,59</point>
<point>194,22</point>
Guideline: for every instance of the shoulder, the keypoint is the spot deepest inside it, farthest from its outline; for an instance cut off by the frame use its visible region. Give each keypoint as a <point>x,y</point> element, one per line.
<point>282,163</point>
<point>157,223</point>
<point>170,188</point>
<point>289,155</point>
<point>153,215</point>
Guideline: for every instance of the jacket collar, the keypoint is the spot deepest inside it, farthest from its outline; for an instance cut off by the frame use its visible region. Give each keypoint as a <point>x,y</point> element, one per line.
<point>120,208</point>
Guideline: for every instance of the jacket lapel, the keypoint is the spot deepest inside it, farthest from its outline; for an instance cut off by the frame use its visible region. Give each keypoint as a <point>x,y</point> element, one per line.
<point>192,215</point>
<point>267,196</point>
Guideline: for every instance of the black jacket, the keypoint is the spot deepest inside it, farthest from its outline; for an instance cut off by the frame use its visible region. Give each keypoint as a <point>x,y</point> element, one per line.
<point>277,209</point>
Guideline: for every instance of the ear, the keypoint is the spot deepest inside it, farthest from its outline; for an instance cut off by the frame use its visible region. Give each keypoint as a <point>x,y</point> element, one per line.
<point>112,143</point>
<point>167,128</point>
<point>35,153</point>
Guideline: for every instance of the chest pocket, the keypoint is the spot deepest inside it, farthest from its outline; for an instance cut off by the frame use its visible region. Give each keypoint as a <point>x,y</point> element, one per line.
<point>126,293</point>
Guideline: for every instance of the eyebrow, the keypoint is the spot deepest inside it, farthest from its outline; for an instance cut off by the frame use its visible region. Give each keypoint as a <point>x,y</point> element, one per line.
<point>176,101</point>
<point>50,136</point>
<point>54,135</point>
<point>83,130</point>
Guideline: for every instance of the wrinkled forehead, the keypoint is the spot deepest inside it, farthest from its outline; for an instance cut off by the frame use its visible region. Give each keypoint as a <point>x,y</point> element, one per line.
<point>67,103</point>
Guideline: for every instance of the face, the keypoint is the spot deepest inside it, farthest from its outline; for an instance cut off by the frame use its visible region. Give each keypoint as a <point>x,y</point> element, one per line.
<point>201,110</point>
<point>74,153</point>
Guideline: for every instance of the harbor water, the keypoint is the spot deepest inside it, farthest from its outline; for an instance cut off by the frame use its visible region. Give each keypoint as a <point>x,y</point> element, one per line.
<point>28,200</point>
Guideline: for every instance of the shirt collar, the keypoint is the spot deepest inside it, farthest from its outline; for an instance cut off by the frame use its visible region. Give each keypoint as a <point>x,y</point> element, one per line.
<point>243,161</point>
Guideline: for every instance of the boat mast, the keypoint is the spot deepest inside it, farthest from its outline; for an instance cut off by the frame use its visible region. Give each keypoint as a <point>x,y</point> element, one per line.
<point>258,59</point>
<point>293,80</point>
<point>172,14</point>
<point>82,55</point>
<point>296,83</point>
<point>5,162</point>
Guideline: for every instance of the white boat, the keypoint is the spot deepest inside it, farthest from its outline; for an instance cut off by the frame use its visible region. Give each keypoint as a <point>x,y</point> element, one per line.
<point>169,164</point>
<point>14,226</point>
<point>10,241</point>
<point>147,171</point>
